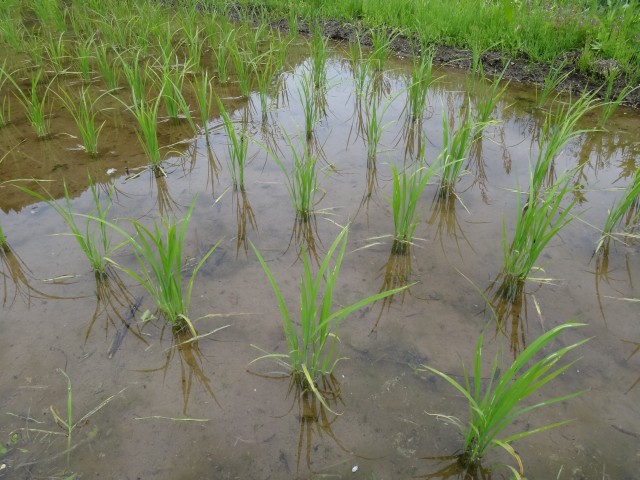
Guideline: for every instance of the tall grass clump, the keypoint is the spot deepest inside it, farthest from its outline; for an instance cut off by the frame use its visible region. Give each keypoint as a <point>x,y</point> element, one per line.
<point>237,147</point>
<point>160,260</point>
<point>496,404</point>
<point>84,111</point>
<point>311,331</point>
<point>455,150</point>
<point>92,237</point>
<point>628,207</point>
<point>408,186</point>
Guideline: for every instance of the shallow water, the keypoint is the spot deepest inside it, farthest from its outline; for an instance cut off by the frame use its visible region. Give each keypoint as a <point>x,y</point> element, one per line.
<point>243,424</point>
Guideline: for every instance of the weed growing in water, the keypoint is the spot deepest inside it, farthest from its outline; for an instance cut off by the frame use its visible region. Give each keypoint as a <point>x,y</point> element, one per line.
<point>242,65</point>
<point>312,348</point>
<point>407,189</point>
<point>83,110</point>
<point>95,249</point>
<point>159,256</point>
<point>499,405</point>
<point>381,42</point>
<point>237,146</point>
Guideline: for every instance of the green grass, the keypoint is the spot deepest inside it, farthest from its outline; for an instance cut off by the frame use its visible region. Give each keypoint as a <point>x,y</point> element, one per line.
<point>84,110</point>
<point>311,331</point>
<point>407,189</point>
<point>92,237</point>
<point>171,82</point>
<point>492,92</point>
<point>160,261</point>
<point>498,405</point>
<point>540,31</point>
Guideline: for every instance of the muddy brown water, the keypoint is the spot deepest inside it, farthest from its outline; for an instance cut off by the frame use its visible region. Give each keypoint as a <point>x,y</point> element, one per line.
<point>207,411</point>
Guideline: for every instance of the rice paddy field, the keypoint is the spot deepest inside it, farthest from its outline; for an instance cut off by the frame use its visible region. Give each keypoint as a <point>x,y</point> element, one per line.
<point>245,151</point>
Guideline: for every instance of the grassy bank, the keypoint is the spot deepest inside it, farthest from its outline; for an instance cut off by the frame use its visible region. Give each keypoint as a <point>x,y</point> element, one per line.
<point>595,37</point>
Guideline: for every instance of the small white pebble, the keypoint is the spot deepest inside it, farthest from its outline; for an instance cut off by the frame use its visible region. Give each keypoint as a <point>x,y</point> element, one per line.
<point>111,171</point>
<point>354,469</point>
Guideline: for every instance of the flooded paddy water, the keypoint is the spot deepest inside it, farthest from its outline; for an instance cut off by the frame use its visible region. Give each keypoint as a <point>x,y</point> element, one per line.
<point>203,409</point>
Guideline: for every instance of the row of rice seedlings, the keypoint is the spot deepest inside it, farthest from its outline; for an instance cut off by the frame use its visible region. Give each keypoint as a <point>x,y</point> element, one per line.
<point>407,189</point>
<point>628,207</point>
<point>160,259</point>
<point>84,112</point>
<point>498,405</point>
<point>92,237</point>
<point>311,332</point>
<point>237,147</point>
<point>420,82</point>
<point>456,146</point>
<point>610,104</point>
